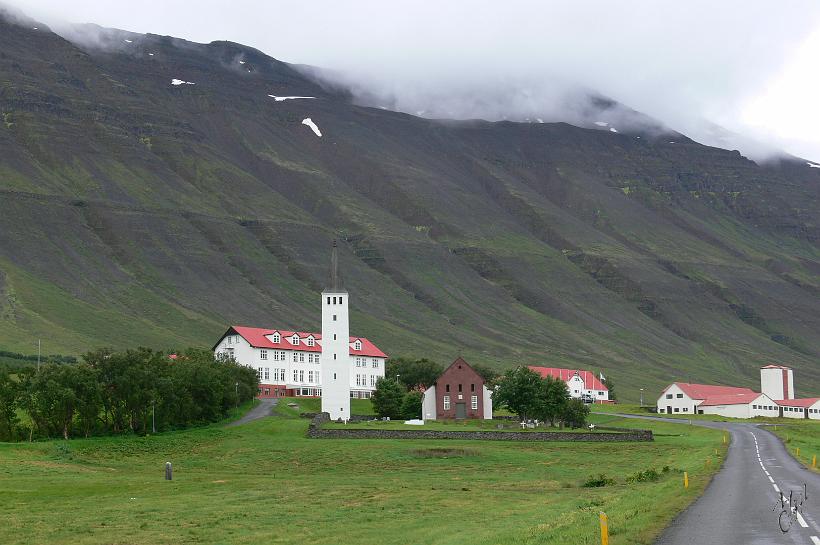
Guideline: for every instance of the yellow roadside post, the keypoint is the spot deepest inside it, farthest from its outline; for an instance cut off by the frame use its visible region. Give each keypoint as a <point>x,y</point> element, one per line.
<point>604,529</point>
<point>708,462</point>
<point>814,462</point>
<point>686,479</point>
<point>724,438</point>
<point>715,452</point>
<point>797,450</point>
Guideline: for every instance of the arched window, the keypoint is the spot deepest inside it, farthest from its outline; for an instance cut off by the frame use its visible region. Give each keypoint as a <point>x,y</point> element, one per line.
<point>276,338</point>
<point>357,345</point>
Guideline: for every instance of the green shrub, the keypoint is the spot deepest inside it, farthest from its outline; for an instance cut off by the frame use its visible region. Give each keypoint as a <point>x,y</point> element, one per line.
<point>599,481</point>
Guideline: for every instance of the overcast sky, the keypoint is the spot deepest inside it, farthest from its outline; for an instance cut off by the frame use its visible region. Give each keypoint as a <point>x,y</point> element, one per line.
<point>751,66</point>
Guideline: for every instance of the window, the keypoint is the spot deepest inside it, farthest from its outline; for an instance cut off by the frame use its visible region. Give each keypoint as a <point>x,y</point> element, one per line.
<point>301,376</point>
<point>334,356</point>
<point>276,338</point>
<point>317,378</point>
<point>600,393</point>
<point>334,319</point>
<point>446,403</point>
<point>686,409</point>
<point>301,357</point>
<point>263,354</point>
<point>357,345</point>
<point>661,410</point>
<point>754,406</point>
<point>474,402</point>
<point>282,375</point>
<point>310,377</point>
<point>447,388</point>
<point>259,373</point>
<point>375,363</point>
<point>311,341</point>
<point>358,380</point>
<point>334,300</point>
<point>677,410</point>
<point>340,300</point>
<point>358,362</point>
<point>267,373</point>
<point>372,380</point>
<point>459,387</point>
<point>295,375</point>
<point>295,340</point>
<point>679,396</point>
<point>472,387</point>
<point>668,396</point>
<point>328,299</point>
<point>267,391</point>
<point>295,357</point>
<point>334,336</point>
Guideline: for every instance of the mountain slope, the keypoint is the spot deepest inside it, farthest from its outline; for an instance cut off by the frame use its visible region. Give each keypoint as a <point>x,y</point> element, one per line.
<point>134,211</point>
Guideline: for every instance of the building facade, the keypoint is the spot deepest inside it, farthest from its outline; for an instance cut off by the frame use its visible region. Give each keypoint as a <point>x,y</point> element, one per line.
<point>459,393</point>
<point>776,399</point>
<point>288,363</point>
<point>580,383</point>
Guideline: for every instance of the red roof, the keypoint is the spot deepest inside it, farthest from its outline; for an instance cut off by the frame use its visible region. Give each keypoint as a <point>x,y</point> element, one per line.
<point>773,366</point>
<point>804,402</point>
<point>258,338</point>
<point>730,399</point>
<point>591,382</point>
<point>705,391</point>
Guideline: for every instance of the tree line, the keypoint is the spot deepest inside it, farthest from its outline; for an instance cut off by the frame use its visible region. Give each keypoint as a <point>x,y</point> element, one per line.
<point>121,392</point>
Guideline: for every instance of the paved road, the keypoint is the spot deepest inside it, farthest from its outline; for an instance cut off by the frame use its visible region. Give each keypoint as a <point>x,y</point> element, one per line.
<point>736,508</point>
<point>261,409</point>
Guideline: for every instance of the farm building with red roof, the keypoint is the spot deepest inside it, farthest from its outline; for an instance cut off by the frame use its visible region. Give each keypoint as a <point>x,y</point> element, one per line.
<point>580,383</point>
<point>776,398</point>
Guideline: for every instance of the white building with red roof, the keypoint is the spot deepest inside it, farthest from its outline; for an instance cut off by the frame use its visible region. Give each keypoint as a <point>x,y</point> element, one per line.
<point>296,363</point>
<point>288,363</point>
<point>580,383</point>
<point>776,398</point>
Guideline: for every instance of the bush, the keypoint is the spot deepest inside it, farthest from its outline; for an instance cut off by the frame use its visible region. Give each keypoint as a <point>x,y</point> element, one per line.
<point>575,414</point>
<point>598,482</point>
<point>388,399</point>
<point>647,476</point>
<point>411,405</point>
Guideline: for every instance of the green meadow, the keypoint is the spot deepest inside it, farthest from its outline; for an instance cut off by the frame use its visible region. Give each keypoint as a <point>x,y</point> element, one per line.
<point>265,482</point>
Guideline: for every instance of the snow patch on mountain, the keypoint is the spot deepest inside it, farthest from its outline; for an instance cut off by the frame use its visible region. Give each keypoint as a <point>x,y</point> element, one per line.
<point>613,129</point>
<point>309,122</point>
<point>181,82</point>
<point>280,99</point>
<point>602,123</point>
<point>812,165</point>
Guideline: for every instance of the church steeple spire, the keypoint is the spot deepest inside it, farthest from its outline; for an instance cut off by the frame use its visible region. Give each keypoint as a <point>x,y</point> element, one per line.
<point>334,267</point>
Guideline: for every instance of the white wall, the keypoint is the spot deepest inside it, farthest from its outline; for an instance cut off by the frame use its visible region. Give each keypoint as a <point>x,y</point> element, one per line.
<point>428,404</point>
<point>731,411</point>
<point>771,383</point>
<point>488,403</point>
<point>680,402</point>
<point>335,360</point>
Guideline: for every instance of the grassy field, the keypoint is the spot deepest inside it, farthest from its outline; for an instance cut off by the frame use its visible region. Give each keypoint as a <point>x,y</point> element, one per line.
<point>799,434</point>
<point>266,483</point>
<point>463,425</point>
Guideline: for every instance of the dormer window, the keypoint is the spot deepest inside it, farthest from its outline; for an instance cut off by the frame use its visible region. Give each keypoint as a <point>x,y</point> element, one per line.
<point>295,339</point>
<point>357,345</point>
<point>276,338</point>
<point>310,341</point>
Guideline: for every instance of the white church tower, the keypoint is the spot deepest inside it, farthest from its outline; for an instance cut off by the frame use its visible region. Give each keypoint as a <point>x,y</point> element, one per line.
<point>335,346</point>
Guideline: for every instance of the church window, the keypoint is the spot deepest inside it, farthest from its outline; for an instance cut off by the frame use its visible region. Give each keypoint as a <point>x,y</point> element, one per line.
<point>263,354</point>
<point>334,336</point>
<point>334,300</point>
<point>334,317</point>
<point>334,376</point>
<point>340,300</point>
<point>446,403</point>
<point>328,299</point>
<point>334,356</point>
<point>472,387</point>
<point>447,388</point>
<point>459,387</point>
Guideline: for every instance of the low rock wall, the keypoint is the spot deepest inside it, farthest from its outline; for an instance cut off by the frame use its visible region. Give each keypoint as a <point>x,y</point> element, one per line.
<point>315,431</point>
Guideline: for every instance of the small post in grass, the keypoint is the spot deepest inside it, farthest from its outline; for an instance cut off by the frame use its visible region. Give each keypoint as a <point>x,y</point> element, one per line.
<point>604,529</point>
<point>724,438</point>
<point>169,471</point>
<point>686,479</point>
<point>708,462</point>
<point>797,452</point>
<point>814,462</point>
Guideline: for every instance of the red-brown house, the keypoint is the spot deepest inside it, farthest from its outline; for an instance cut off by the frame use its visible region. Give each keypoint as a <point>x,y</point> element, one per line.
<point>458,393</point>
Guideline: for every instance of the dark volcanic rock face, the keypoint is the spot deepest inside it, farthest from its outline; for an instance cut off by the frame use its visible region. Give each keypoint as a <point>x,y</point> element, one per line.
<point>136,211</point>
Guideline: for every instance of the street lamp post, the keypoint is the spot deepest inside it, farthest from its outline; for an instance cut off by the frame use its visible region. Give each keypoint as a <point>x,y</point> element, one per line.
<point>236,386</point>
<point>641,397</point>
<point>397,378</point>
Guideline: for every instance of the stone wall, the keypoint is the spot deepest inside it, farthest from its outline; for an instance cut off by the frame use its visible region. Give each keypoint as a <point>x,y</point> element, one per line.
<point>315,431</point>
